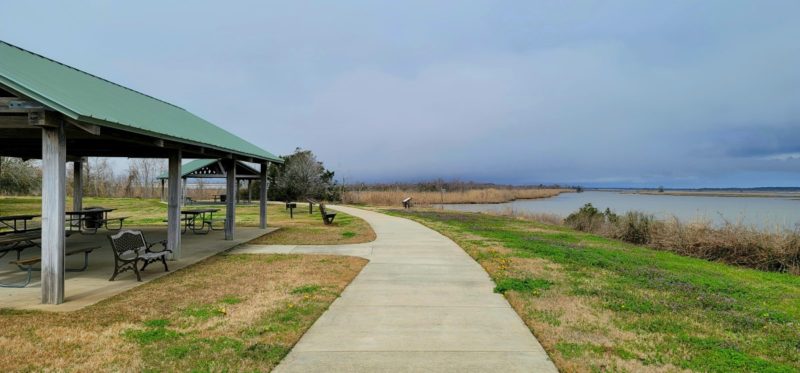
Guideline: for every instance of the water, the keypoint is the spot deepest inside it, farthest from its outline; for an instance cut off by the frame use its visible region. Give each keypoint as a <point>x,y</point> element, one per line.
<point>763,212</point>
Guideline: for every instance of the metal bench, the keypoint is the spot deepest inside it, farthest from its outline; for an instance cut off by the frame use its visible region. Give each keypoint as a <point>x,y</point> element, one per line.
<point>27,265</point>
<point>130,248</point>
<point>327,217</point>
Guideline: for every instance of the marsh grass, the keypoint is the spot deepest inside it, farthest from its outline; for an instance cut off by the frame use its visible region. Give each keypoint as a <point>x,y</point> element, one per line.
<point>486,195</point>
<point>227,313</point>
<point>614,306</point>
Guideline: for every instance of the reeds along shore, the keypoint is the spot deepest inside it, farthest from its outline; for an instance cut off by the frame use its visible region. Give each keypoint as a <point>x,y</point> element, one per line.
<point>775,250</point>
<point>488,195</point>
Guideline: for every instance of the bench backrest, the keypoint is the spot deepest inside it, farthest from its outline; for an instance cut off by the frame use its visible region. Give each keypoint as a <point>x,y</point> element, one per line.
<point>127,241</point>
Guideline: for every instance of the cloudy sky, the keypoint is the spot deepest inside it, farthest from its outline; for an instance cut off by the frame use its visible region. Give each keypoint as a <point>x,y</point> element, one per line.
<point>602,93</point>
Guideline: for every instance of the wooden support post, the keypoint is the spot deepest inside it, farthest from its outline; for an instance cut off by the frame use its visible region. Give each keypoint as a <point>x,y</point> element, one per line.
<point>262,200</point>
<point>77,185</point>
<point>184,181</point>
<point>249,191</point>
<point>238,188</point>
<point>54,178</point>
<point>230,209</point>
<point>174,205</point>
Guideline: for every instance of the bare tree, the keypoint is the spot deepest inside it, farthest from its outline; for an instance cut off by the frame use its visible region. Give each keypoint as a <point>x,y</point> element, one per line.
<point>147,170</point>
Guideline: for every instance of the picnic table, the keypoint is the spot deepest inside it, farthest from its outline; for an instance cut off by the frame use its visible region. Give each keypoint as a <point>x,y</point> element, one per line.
<point>205,216</point>
<point>12,222</point>
<point>90,219</point>
<point>19,241</point>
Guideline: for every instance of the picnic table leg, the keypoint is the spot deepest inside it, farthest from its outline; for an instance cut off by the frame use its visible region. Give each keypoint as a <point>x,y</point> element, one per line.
<point>20,284</point>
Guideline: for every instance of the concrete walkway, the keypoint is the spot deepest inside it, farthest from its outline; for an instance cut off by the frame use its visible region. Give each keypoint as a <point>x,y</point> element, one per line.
<point>421,304</point>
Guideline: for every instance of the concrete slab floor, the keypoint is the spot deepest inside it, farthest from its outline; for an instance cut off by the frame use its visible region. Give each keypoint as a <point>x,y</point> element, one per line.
<point>91,286</point>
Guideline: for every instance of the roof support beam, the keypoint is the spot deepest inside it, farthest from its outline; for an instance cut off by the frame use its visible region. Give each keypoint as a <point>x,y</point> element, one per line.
<point>19,105</point>
<point>90,128</point>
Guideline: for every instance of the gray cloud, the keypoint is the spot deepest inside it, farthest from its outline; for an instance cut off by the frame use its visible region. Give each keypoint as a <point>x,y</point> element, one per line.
<point>603,93</point>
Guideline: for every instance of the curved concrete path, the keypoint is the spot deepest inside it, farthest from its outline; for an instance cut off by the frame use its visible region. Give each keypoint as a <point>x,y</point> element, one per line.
<point>420,304</point>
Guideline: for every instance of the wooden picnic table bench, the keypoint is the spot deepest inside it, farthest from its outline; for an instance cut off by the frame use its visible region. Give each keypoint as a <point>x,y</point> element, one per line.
<point>19,241</point>
<point>28,263</point>
<point>327,217</point>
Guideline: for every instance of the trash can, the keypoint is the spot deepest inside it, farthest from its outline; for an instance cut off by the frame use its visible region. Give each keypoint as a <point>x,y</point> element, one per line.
<point>93,219</point>
<point>223,197</point>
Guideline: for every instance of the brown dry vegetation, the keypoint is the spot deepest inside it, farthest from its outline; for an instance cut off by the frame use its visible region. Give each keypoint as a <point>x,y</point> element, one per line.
<point>733,243</point>
<point>229,312</point>
<point>487,195</point>
<point>737,244</point>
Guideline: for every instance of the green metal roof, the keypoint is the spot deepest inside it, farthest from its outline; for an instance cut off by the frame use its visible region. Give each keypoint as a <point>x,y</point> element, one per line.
<point>192,166</point>
<point>88,98</point>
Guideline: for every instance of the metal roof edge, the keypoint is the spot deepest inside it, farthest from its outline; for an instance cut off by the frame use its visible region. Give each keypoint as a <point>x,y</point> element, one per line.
<point>33,95</point>
<point>124,127</point>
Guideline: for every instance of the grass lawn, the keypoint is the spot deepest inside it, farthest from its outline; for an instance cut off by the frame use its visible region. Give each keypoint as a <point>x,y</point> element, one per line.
<point>601,305</point>
<point>227,313</point>
<point>303,229</point>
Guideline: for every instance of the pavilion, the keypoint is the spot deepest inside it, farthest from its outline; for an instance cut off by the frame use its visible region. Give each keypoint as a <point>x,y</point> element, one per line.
<point>57,113</point>
<point>214,169</point>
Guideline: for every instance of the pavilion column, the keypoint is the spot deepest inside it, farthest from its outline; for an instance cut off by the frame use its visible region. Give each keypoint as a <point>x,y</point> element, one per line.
<point>183,193</point>
<point>249,191</point>
<point>54,178</point>
<point>77,185</point>
<point>162,189</point>
<point>174,205</point>
<point>262,200</point>
<point>230,208</point>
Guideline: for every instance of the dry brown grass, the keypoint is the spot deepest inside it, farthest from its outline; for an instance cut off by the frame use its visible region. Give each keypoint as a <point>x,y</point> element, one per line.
<point>218,314</point>
<point>489,195</point>
<point>308,229</point>
<point>738,244</point>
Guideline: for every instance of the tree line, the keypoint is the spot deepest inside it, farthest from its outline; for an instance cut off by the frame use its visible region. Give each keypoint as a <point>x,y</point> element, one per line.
<point>301,176</point>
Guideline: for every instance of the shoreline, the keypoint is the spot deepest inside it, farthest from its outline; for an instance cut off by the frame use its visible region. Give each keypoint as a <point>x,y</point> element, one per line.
<point>508,201</point>
<point>785,195</point>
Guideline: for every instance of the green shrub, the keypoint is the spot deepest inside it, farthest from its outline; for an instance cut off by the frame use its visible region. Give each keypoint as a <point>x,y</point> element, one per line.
<point>634,227</point>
